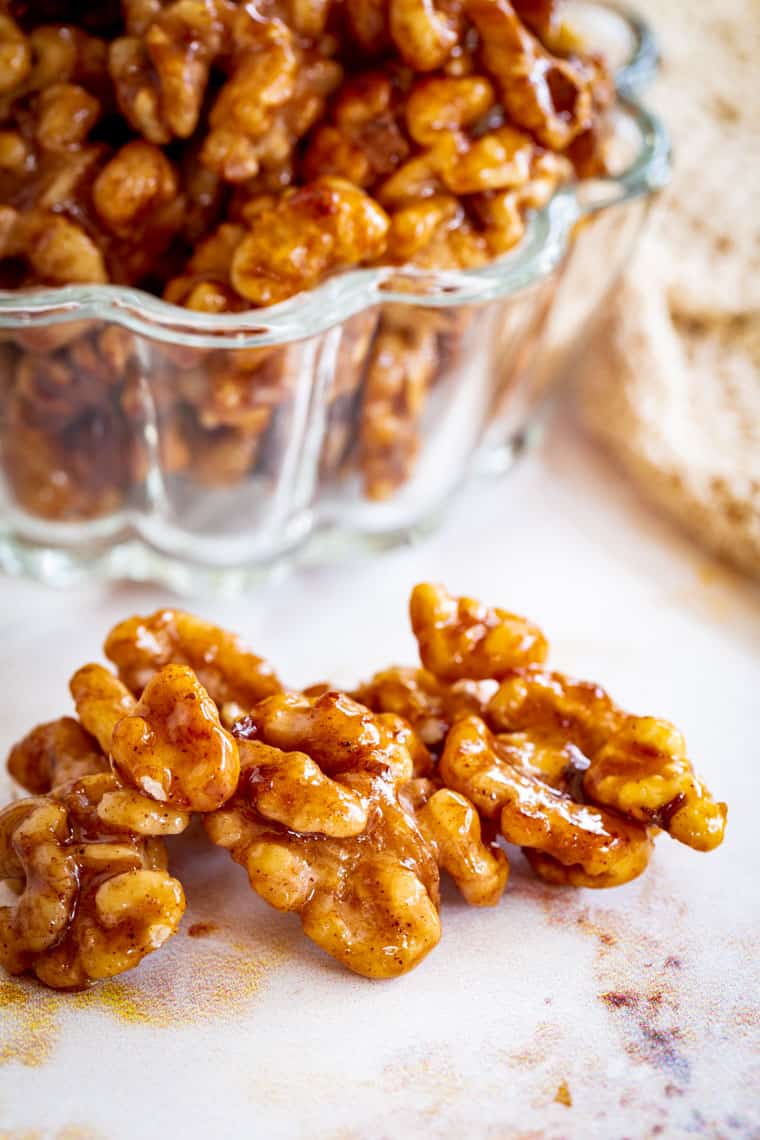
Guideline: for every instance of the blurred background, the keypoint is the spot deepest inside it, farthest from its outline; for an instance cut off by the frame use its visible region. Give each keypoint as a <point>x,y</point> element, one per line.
<point>671,385</point>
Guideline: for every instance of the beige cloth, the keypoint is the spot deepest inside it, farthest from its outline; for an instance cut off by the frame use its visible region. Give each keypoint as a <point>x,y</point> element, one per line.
<point>671,384</point>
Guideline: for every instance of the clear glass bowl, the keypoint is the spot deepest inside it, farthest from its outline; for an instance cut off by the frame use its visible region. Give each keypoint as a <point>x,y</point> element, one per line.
<point>198,450</point>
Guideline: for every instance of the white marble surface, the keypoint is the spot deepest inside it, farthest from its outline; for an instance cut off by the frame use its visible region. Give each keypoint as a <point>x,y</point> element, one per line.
<point>643,1000</point>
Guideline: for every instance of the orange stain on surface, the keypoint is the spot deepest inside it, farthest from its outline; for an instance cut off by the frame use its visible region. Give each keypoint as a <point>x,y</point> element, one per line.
<point>562,1095</point>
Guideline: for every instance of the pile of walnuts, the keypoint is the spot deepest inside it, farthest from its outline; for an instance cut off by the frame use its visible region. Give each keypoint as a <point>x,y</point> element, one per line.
<point>342,807</point>
<point>290,139</point>
<point>226,156</point>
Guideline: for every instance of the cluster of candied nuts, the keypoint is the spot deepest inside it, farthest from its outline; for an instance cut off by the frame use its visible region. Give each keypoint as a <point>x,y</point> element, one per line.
<point>227,156</point>
<point>341,807</point>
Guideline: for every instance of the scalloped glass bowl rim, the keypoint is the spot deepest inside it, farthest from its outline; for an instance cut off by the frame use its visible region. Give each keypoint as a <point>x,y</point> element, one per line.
<point>349,293</point>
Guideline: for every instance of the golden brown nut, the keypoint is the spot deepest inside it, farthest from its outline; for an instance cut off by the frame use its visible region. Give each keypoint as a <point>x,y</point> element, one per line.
<point>137,182</point>
<point>644,772</point>
<point>603,848</point>
<point>291,789</point>
<point>276,90</point>
<point>547,96</point>
<point>15,55</point>
<point>452,826</point>
<point>462,638</point>
<point>66,113</point>
<point>54,754</point>
<point>430,706</point>
<point>32,854</point>
<point>58,250</point>
<point>363,140</point>
<point>326,225</point>
<point>370,900</point>
<point>549,702</point>
<point>101,702</point>
<point>447,104</point>
<point>128,810</point>
<point>423,33</point>
<point>94,901</point>
<point>172,745</point>
<point>335,730</point>
<point>160,74</point>
<point>140,646</point>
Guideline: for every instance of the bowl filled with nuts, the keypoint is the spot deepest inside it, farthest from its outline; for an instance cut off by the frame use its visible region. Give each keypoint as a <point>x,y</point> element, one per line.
<point>291,271</point>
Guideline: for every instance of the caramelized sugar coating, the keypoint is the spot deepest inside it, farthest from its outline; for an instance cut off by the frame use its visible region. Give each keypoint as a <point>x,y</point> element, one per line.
<point>54,754</point>
<point>603,848</point>
<point>94,899</point>
<point>338,732</point>
<point>460,638</point>
<point>277,89</point>
<point>291,789</point>
<point>140,646</point>
<point>550,97</point>
<point>638,765</point>
<point>161,68</point>
<point>172,745</point>
<point>430,706</point>
<point>552,703</point>
<point>101,702</point>
<point>326,225</point>
<point>452,826</point>
<point>370,900</point>
<point>343,810</point>
<point>644,772</point>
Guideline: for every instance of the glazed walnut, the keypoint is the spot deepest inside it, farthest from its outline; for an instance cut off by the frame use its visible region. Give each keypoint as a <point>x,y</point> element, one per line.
<point>291,789</point>
<point>160,71</point>
<point>638,765</point>
<point>338,732</point>
<point>275,92</point>
<point>430,706</point>
<point>453,827</point>
<point>643,771</point>
<point>54,754</point>
<point>326,225</point>
<point>370,900</point>
<point>549,97</point>
<point>172,745</point>
<point>462,638</point>
<point>94,899</point>
<point>591,846</point>
<point>101,701</point>
<point>554,704</point>
<point>169,744</point>
<point>140,646</point>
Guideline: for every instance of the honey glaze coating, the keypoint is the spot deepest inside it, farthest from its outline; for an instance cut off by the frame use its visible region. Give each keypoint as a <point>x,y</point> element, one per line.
<point>644,771</point>
<point>344,808</point>
<point>94,898</point>
<point>460,638</point>
<point>172,745</point>
<point>604,848</point>
<point>227,669</point>
<point>338,732</point>
<point>370,900</point>
<point>53,754</point>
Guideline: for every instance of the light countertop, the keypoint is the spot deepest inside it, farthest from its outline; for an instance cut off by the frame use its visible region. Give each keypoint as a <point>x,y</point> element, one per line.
<point>643,1002</point>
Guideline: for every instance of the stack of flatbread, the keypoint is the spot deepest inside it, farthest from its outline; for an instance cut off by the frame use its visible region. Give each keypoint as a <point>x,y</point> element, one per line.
<point>671,383</point>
